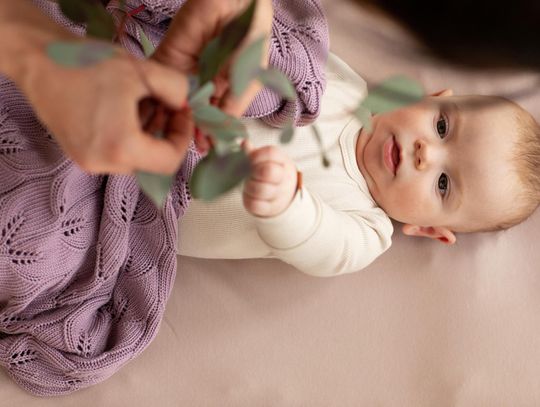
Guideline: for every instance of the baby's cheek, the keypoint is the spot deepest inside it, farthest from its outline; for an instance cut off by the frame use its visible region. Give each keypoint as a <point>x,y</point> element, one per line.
<point>409,205</point>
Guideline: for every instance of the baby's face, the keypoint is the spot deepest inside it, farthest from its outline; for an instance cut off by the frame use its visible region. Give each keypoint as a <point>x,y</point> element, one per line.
<point>442,162</point>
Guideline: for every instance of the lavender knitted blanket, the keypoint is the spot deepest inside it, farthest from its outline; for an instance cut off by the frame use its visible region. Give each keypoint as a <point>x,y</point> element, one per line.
<point>86,262</point>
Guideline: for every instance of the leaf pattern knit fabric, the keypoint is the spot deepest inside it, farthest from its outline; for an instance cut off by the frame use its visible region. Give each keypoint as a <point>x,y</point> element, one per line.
<point>86,262</point>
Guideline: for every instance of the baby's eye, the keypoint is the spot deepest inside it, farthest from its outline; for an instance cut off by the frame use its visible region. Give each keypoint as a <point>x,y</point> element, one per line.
<point>443,184</point>
<point>442,127</point>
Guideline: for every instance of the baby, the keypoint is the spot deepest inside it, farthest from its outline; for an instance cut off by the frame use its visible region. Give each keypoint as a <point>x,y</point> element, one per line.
<point>445,165</point>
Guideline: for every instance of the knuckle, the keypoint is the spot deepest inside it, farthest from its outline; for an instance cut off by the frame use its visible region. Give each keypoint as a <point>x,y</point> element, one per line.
<point>249,203</point>
<point>253,206</point>
<point>83,159</point>
<point>165,53</point>
<point>125,66</point>
<point>274,152</point>
<point>115,153</point>
<point>88,165</point>
<point>270,171</point>
<point>258,190</point>
<point>248,188</point>
<point>84,162</point>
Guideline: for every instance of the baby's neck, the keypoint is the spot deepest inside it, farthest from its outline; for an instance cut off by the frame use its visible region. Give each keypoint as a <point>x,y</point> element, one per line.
<point>361,141</point>
<point>363,138</point>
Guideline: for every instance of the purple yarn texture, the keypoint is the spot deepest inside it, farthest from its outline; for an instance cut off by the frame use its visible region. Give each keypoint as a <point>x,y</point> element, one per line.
<point>86,262</point>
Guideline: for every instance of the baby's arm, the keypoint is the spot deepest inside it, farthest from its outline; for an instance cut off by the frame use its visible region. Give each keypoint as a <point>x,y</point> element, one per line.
<point>304,231</point>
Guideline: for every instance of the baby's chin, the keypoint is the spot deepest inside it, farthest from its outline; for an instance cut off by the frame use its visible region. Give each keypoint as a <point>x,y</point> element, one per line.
<point>395,215</point>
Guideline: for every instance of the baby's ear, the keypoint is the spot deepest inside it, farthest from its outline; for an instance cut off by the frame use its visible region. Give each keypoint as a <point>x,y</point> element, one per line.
<point>440,233</point>
<point>443,92</point>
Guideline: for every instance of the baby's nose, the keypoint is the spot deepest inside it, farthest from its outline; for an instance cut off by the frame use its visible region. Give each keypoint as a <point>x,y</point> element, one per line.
<point>420,154</point>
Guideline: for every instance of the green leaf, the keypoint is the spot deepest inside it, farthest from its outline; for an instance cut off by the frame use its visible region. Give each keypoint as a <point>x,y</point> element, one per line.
<point>155,186</point>
<point>363,115</point>
<point>75,10</point>
<point>211,61</point>
<point>278,82</point>
<point>79,54</point>
<point>225,130</point>
<point>317,135</point>
<point>209,115</point>
<point>148,47</point>
<point>219,50</point>
<point>235,31</point>
<point>100,22</point>
<point>287,133</point>
<point>392,94</point>
<point>211,119</point>
<point>217,174</point>
<point>201,97</point>
<point>247,67</point>
<point>193,82</point>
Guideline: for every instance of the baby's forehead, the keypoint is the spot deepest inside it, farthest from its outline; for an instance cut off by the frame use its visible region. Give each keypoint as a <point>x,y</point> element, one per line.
<point>481,105</point>
<point>488,192</point>
<point>482,158</point>
<point>480,122</point>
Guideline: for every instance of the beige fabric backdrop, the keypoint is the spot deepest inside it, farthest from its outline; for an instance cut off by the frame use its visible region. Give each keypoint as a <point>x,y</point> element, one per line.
<point>425,325</point>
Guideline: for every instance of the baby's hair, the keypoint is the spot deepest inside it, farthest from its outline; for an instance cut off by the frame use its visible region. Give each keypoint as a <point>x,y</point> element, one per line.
<point>526,158</point>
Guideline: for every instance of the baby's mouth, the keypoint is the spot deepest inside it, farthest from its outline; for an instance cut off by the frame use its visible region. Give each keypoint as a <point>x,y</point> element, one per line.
<point>396,155</point>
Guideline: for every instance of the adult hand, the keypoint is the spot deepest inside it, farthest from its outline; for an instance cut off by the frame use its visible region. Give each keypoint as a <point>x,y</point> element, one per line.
<point>196,23</point>
<point>95,113</point>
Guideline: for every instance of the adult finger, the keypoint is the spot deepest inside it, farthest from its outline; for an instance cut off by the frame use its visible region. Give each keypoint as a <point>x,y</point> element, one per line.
<point>237,105</point>
<point>147,109</point>
<point>157,121</point>
<point>202,142</point>
<point>163,156</point>
<point>260,28</point>
<point>192,27</point>
<point>167,85</point>
<point>180,130</point>
<point>198,21</point>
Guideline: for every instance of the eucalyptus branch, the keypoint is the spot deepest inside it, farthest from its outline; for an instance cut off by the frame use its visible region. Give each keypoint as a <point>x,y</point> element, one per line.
<point>227,164</point>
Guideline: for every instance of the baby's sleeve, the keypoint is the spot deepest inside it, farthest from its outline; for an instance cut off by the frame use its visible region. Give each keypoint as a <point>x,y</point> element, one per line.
<point>322,241</point>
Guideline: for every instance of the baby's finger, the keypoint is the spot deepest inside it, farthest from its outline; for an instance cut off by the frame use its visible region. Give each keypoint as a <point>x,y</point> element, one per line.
<point>261,190</point>
<point>269,172</point>
<point>267,153</point>
<point>247,146</point>
<point>258,207</point>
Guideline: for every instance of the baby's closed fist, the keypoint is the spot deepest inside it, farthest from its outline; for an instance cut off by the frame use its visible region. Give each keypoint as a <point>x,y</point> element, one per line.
<point>271,186</point>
